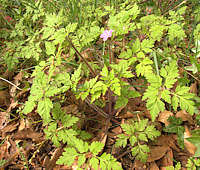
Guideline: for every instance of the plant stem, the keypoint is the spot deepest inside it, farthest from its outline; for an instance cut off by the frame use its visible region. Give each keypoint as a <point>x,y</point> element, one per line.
<point>156,62</point>
<point>84,60</point>
<point>104,44</point>
<point>1,78</point>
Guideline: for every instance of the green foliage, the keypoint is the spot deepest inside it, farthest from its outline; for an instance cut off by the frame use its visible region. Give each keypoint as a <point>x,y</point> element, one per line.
<point>120,22</point>
<point>176,127</point>
<point>160,91</point>
<point>137,133</point>
<point>193,164</point>
<point>177,167</point>
<point>80,152</point>
<point>43,88</point>
<point>37,37</point>
<point>2,162</point>
<point>126,93</point>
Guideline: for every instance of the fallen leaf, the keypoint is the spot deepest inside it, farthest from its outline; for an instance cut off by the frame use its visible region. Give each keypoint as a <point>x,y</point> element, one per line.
<point>127,115</point>
<point>193,88</point>
<point>10,127</point>
<point>163,116</point>
<point>22,125</point>
<point>28,134</point>
<point>4,150</point>
<point>167,160</point>
<point>185,116</point>
<point>153,166</point>
<point>12,105</point>
<point>4,98</point>
<point>50,164</point>
<point>16,82</point>
<point>3,119</point>
<point>139,165</point>
<point>191,148</point>
<point>168,140</point>
<point>157,152</point>
<point>117,130</point>
<point>71,109</point>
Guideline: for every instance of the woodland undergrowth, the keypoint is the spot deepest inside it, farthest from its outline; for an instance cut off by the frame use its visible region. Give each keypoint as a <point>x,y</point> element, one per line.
<point>102,81</point>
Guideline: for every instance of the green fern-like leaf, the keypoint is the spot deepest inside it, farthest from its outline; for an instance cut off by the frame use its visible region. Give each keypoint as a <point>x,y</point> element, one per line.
<point>122,100</point>
<point>122,140</point>
<point>44,107</point>
<point>165,95</point>
<point>144,67</point>
<point>128,128</point>
<point>155,106</point>
<point>80,145</point>
<point>175,31</point>
<point>96,147</point>
<point>157,32</point>
<point>142,137</point>
<point>76,77</point>
<point>184,99</point>
<point>170,74</point>
<point>94,163</point>
<point>151,132</point>
<point>141,125</point>
<point>108,162</point>
<point>69,120</point>
<point>67,136</point>
<point>147,45</point>
<point>81,160</point>
<point>140,151</point>
<point>68,157</point>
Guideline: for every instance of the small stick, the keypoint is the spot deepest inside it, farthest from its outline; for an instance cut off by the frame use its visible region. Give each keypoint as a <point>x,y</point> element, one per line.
<point>100,111</point>
<point>1,78</point>
<point>90,68</point>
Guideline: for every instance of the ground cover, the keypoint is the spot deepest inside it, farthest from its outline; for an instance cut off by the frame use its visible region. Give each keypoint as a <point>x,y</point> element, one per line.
<point>87,84</point>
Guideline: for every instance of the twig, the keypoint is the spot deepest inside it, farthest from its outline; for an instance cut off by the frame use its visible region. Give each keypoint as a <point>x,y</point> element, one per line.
<point>100,111</point>
<point>1,78</point>
<point>124,153</point>
<point>90,68</point>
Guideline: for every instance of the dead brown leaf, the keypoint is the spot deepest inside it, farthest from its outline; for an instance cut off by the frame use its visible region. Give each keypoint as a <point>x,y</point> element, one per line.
<point>71,109</point>
<point>117,130</point>
<point>50,164</point>
<point>4,98</point>
<point>191,148</point>
<point>193,88</point>
<point>3,119</point>
<point>157,152</point>
<point>22,124</point>
<point>4,154</point>
<point>17,80</point>
<point>29,134</point>
<point>185,116</point>
<point>168,140</point>
<point>153,166</point>
<point>127,115</point>
<point>139,165</point>
<point>163,116</point>
<point>10,127</point>
<point>167,160</point>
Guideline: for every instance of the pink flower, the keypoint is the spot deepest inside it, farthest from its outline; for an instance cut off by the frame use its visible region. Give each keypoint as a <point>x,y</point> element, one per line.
<point>106,34</point>
<point>8,18</point>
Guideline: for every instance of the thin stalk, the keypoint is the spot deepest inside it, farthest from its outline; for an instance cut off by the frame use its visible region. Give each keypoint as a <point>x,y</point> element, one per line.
<point>110,102</point>
<point>1,78</point>
<point>156,62</point>
<point>104,44</point>
<point>84,60</point>
<point>109,91</point>
<point>110,54</point>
